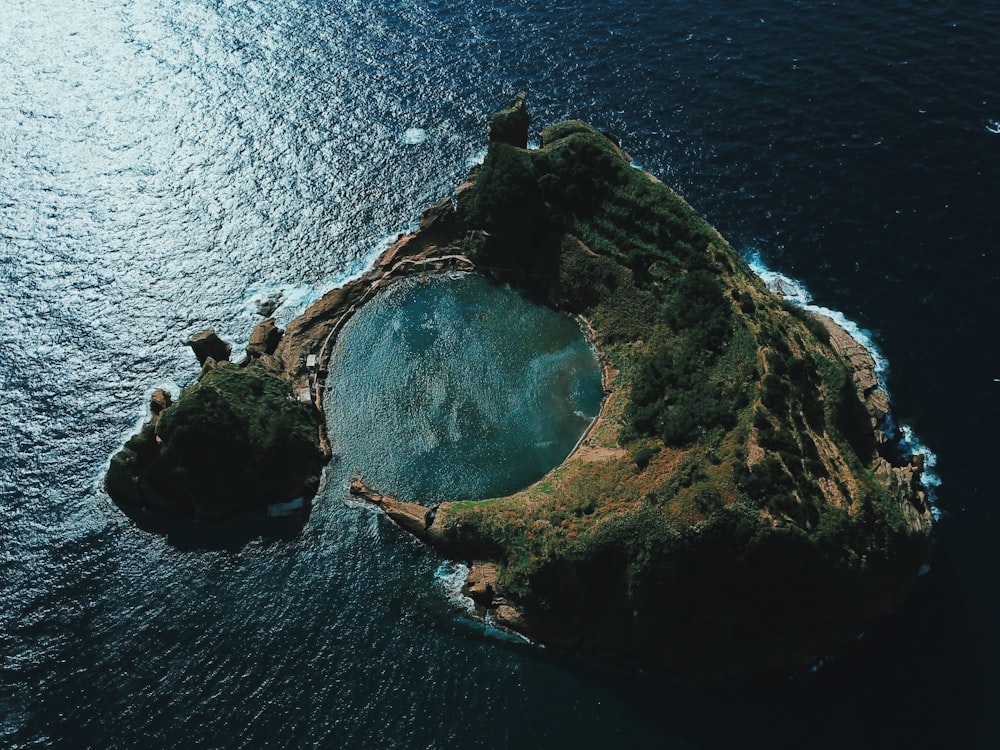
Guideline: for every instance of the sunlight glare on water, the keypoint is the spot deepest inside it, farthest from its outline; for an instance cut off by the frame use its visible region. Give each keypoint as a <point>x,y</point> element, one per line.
<point>165,163</point>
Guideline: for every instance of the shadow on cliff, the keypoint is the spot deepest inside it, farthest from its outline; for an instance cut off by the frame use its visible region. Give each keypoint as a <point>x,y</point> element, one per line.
<point>230,535</point>
<point>912,681</point>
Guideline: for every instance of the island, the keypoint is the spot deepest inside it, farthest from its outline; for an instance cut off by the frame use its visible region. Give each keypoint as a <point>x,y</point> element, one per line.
<point>741,503</point>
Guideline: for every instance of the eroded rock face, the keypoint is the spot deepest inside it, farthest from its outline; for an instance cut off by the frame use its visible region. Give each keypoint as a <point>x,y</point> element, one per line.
<point>481,582</point>
<point>862,365</point>
<point>207,344</point>
<point>510,125</point>
<point>438,217</point>
<point>159,401</point>
<point>264,339</point>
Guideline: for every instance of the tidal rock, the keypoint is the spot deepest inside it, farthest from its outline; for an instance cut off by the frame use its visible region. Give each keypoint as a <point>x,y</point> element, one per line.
<point>207,344</point>
<point>264,339</point>
<point>510,125</point>
<point>270,303</point>
<point>480,584</point>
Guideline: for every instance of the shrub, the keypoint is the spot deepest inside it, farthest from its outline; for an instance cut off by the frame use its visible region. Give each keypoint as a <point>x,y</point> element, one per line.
<point>644,455</point>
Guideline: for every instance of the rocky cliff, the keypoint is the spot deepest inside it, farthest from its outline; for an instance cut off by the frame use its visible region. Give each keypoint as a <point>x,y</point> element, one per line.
<point>738,507</point>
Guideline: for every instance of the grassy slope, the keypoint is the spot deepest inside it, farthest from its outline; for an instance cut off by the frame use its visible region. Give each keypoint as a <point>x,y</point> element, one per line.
<point>741,511</point>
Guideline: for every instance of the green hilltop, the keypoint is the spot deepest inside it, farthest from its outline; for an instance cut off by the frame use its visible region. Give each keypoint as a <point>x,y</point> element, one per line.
<point>731,511</point>
<point>235,441</point>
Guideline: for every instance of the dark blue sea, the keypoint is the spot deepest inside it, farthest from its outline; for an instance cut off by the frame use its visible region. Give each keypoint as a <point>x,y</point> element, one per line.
<point>166,163</point>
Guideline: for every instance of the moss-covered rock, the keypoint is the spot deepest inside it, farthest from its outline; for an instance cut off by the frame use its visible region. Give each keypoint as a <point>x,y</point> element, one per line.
<point>237,440</point>
<point>510,125</point>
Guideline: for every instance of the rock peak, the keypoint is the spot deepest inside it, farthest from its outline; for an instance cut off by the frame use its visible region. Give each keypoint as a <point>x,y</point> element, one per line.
<point>510,125</point>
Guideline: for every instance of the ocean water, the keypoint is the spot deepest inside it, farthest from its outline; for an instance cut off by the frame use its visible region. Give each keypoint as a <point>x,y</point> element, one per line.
<point>165,163</point>
<point>449,387</point>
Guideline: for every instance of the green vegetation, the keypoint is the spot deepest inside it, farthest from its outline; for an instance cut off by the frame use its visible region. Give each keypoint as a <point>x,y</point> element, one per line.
<point>726,517</point>
<point>235,440</point>
<point>741,521</point>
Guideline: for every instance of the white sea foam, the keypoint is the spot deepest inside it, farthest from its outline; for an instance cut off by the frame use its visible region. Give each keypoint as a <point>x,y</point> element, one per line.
<point>796,293</point>
<point>414,136</point>
<point>362,264</point>
<point>449,578</point>
<point>299,296</point>
<point>477,158</point>
<point>493,630</point>
<point>294,298</point>
<point>930,479</point>
<point>993,126</point>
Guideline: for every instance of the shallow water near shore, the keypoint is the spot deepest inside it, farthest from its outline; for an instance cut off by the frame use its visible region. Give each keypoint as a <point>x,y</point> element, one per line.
<point>450,387</point>
<point>165,162</point>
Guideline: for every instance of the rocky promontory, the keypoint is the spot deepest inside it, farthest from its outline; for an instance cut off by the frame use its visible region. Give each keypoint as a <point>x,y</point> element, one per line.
<point>739,505</point>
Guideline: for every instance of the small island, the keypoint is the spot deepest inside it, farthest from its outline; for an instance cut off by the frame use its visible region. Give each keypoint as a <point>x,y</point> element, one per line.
<point>739,505</point>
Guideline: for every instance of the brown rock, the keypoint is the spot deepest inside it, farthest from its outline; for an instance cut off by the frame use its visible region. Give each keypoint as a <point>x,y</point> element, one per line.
<point>207,366</point>
<point>438,216</point>
<point>481,583</point>
<point>511,617</point>
<point>264,339</point>
<point>207,344</point>
<point>159,402</point>
<point>271,363</point>
<point>862,366</point>
<point>417,519</point>
<point>904,484</point>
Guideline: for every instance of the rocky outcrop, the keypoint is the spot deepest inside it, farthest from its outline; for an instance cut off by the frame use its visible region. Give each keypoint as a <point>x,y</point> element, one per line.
<point>483,586</point>
<point>236,441</point>
<point>267,305</point>
<point>439,217</point>
<point>159,402</point>
<point>264,338</point>
<point>482,583</point>
<point>900,475</point>
<point>415,518</point>
<point>207,344</point>
<point>510,125</point>
<point>863,372</point>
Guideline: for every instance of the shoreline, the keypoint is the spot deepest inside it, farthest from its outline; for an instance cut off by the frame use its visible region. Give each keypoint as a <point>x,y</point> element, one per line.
<point>482,583</point>
<point>729,423</point>
<point>296,347</point>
